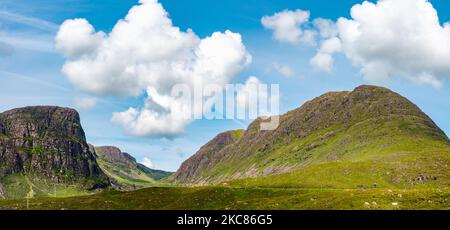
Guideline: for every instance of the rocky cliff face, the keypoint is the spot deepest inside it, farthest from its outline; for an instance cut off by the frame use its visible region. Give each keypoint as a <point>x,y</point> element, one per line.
<point>333,127</point>
<point>49,142</point>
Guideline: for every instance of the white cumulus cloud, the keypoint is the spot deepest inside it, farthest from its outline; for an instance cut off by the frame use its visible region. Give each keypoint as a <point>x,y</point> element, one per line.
<point>397,38</point>
<point>324,60</point>
<point>387,39</point>
<point>325,27</point>
<point>146,53</point>
<point>288,25</point>
<point>384,40</point>
<point>77,37</point>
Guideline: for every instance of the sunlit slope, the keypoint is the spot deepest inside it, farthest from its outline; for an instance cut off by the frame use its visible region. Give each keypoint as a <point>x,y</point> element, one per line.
<point>124,171</point>
<point>368,138</point>
<point>20,186</point>
<point>226,198</point>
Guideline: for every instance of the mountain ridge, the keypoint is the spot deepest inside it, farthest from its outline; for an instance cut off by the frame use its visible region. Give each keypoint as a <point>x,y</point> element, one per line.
<point>336,126</point>
<point>123,169</point>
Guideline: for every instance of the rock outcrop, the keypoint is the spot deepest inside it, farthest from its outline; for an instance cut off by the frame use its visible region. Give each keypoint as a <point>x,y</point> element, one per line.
<point>48,141</point>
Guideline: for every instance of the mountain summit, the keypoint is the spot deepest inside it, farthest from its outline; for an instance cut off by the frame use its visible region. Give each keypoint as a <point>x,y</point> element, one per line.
<point>370,136</point>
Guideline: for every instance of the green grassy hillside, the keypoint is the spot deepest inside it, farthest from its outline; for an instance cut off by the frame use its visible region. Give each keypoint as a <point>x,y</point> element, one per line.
<point>20,186</point>
<point>394,157</point>
<point>125,172</point>
<point>368,138</point>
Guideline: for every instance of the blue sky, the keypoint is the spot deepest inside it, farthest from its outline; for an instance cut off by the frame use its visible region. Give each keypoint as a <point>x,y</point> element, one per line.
<point>30,66</point>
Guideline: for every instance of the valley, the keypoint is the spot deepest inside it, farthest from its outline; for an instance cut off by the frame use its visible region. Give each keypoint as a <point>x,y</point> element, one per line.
<point>369,148</point>
<point>235,198</point>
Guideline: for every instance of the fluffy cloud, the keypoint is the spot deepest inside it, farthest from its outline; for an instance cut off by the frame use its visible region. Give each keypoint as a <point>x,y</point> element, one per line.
<point>324,60</point>
<point>397,38</point>
<point>386,39</point>
<point>330,45</point>
<point>77,37</point>
<point>325,27</point>
<point>160,117</point>
<point>85,103</point>
<point>145,52</point>
<point>287,27</point>
<point>390,38</point>
<point>294,27</point>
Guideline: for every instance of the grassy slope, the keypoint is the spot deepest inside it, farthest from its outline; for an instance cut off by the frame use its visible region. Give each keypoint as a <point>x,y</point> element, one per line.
<point>157,175</point>
<point>401,149</point>
<point>19,186</point>
<point>390,159</point>
<point>127,176</point>
<point>399,157</point>
<point>245,198</point>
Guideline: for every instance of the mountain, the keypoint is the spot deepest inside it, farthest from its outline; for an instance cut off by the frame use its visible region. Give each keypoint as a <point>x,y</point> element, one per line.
<point>43,151</point>
<point>207,156</point>
<point>154,173</point>
<point>124,171</point>
<point>369,137</point>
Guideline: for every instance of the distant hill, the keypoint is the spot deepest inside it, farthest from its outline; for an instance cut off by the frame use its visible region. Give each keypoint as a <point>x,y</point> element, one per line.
<point>369,137</point>
<point>43,151</point>
<point>124,171</point>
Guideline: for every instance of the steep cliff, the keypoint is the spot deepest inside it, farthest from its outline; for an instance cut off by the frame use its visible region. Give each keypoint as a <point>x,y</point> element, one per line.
<point>47,142</point>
